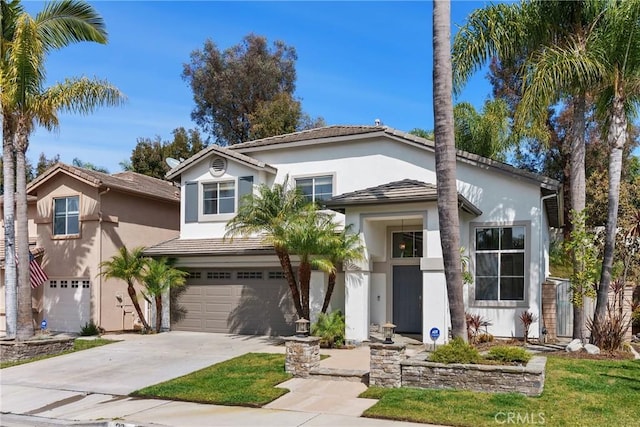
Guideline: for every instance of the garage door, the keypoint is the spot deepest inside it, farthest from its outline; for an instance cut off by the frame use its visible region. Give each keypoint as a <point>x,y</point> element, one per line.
<point>252,302</point>
<point>67,304</point>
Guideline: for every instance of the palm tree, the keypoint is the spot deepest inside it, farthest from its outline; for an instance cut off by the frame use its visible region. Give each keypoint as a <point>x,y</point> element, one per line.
<point>551,39</point>
<point>445,151</point>
<point>29,104</point>
<point>268,214</point>
<point>159,276</point>
<point>345,247</point>
<point>617,103</point>
<point>128,266</point>
<point>485,133</point>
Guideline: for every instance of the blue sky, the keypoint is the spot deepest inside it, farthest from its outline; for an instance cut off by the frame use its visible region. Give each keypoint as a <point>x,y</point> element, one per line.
<point>357,61</point>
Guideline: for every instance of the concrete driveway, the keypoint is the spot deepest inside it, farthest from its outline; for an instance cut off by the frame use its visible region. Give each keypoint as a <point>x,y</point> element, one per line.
<point>137,361</point>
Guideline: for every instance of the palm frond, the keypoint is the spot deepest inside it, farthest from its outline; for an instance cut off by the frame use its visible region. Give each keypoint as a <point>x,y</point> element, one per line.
<point>62,23</point>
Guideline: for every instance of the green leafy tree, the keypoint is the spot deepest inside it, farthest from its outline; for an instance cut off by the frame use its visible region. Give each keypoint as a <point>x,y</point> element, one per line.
<point>486,133</point>
<point>45,163</point>
<point>244,91</point>
<point>160,276</point>
<point>127,266</point>
<point>149,155</point>
<point>26,103</point>
<point>445,151</point>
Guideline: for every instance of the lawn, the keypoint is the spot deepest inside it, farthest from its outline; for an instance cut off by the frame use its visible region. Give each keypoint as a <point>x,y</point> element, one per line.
<point>78,345</point>
<point>576,393</point>
<point>247,380</point>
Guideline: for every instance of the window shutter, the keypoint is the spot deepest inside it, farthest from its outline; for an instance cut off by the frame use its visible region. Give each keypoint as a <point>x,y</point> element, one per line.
<point>245,186</point>
<point>191,202</point>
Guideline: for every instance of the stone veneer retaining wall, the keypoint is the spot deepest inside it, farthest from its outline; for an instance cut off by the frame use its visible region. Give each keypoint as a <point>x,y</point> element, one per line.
<point>528,380</point>
<point>385,360</point>
<point>11,351</point>
<point>302,355</point>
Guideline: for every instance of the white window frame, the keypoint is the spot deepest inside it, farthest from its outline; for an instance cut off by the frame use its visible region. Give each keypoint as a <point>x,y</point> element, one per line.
<point>527,264</point>
<point>217,216</point>
<point>66,214</point>
<point>313,179</point>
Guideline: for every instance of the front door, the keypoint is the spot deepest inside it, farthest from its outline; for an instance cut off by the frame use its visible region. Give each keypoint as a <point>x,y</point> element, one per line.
<point>407,298</point>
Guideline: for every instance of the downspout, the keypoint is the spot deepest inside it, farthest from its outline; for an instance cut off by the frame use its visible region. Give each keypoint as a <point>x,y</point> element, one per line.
<point>540,260</point>
<point>99,305</point>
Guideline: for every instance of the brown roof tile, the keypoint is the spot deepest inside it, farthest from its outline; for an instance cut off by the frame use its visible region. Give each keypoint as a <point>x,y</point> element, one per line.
<point>405,191</point>
<point>213,246</point>
<point>131,182</point>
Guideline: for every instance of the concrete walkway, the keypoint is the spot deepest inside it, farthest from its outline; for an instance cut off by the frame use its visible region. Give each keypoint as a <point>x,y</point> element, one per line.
<point>89,388</point>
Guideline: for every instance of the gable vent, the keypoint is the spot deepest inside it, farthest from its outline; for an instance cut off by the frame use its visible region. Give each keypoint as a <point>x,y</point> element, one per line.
<point>218,166</point>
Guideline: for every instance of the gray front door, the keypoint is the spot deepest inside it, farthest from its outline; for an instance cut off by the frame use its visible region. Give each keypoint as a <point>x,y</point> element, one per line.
<point>407,298</point>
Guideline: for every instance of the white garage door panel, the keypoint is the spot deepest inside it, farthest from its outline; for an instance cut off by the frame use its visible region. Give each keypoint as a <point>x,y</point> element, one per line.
<point>253,307</point>
<point>67,305</point>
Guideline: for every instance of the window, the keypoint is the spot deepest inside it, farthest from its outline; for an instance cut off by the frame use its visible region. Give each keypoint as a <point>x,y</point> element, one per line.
<point>219,198</point>
<point>407,244</point>
<point>66,216</point>
<point>500,267</point>
<point>273,275</point>
<point>218,275</point>
<point>316,189</point>
<point>249,275</point>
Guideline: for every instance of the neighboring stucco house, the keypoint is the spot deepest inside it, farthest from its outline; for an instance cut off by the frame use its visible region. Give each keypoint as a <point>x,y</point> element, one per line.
<point>382,181</point>
<point>79,218</point>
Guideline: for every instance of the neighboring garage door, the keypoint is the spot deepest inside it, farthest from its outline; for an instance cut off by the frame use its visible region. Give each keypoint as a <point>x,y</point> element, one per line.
<point>252,302</point>
<point>67,304</point>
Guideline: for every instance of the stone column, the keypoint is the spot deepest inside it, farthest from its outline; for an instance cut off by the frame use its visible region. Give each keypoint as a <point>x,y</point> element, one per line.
<point>385,369</point>
<point>550,310</point>
<point>302,355</point>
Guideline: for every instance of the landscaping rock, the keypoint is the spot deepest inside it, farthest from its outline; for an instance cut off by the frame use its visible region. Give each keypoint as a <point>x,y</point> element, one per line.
<point>575,345</point>
<point>592,349</point>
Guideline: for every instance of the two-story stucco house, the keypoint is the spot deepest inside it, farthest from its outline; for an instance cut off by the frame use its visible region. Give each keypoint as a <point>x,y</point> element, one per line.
<point>382,181</point>
<point>79,218</point>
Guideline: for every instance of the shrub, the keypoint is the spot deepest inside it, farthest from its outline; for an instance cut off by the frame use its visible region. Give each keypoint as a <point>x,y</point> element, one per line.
<point>330,328</point>
<point>456,351</point>
<point>482,338</point>
<point>474,323</point>
<point>89,329</point>
<point>508,354</point>
<point>609,335</point>
<point>527,318</point>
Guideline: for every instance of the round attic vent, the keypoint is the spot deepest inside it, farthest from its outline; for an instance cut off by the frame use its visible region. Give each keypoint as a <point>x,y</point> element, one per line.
<point>218,166</point>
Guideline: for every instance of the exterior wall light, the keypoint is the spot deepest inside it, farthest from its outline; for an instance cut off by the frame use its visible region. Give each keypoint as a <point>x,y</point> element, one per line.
<point>388,329</point>
<point>302,327</point>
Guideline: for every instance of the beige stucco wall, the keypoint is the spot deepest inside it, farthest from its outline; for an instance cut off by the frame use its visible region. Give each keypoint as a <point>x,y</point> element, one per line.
<point>108,220</point>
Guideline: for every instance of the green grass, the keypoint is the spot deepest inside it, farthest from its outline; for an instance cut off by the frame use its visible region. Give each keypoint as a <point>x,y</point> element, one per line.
<point>247,380</point>
<point>576,393</point>
<point>78,345</point>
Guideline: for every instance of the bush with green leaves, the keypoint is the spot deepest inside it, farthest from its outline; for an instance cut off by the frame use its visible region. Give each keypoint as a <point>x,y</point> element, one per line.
<point>509,354</point>
<point>89,329</point>
<point>456,351</point>
<point>330,328</point>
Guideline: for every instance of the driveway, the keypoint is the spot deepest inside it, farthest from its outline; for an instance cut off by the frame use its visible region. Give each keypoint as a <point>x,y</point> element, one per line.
<point>137,361</point>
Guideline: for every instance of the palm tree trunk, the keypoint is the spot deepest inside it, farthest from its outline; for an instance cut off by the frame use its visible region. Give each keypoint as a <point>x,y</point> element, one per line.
<point>25,328</point>
<point>134,299</point>
<point>578,195</point>
<point>285,263</point>
<point>304,278</point>
<point>445,151</point>
<point>158,313</point>
<point>331,283</point>
<point>10,272</point>
<point>617,140</point>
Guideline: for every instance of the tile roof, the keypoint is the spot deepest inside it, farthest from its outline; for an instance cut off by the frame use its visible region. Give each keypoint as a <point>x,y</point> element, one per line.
<point>131,182</point>
<point>405,191</point>
<point>212,246</point>
<point>223,151</point>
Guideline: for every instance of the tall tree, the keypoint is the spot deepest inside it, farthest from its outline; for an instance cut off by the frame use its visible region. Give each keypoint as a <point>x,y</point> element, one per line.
<point>45,163</point>
<point>233,89</point>
<point>128,266</point>
<point>550,42</point>
<point>30,104</point>
<point>445,150</point>
<point>618,101</point>
<point>88,165</point>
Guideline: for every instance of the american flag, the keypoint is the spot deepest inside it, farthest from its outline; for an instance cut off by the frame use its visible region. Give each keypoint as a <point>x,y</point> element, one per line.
<point>37,276</point>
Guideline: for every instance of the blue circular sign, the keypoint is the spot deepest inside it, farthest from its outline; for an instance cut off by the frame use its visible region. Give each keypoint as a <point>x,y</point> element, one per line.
<point>43,324</point>
<point>434,333</point>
